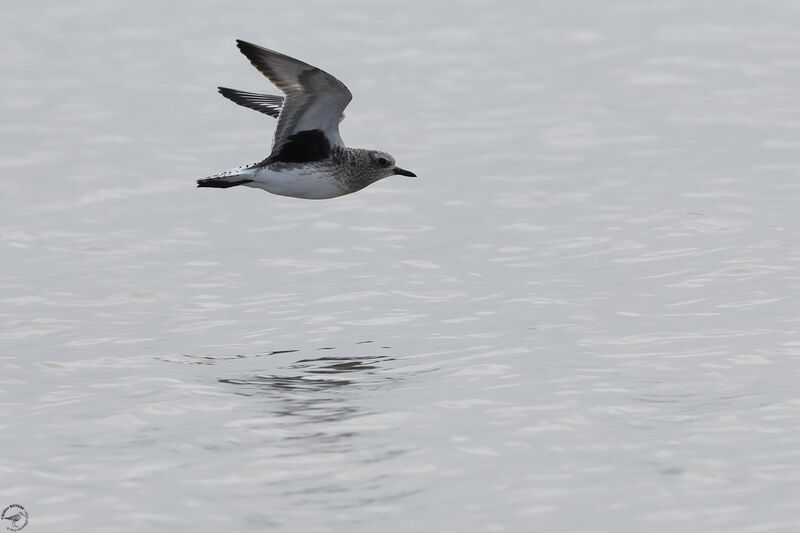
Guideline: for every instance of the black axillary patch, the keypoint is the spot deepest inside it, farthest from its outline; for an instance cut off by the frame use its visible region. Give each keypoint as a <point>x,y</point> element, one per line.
<point>304,147</point>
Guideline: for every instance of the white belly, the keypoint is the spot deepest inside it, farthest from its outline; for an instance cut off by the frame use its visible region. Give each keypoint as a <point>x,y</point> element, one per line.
<point>298,183</point>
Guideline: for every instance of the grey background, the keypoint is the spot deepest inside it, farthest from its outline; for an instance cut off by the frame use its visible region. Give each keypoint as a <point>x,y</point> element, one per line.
<point>582,317</point>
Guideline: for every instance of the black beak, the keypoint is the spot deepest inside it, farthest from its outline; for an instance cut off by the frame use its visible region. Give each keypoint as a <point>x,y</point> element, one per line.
<point>400,172</point>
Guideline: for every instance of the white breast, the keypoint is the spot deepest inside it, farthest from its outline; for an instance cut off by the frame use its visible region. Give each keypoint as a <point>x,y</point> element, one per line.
<point>298,182</point>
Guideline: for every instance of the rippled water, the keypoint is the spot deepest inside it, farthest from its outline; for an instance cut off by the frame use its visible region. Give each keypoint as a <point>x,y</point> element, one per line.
<point>581,318</point>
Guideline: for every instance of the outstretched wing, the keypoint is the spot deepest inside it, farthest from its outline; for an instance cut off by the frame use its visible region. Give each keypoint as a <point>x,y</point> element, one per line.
<point>269,104</point>
<point>265,103</point>
<point>308,123</point>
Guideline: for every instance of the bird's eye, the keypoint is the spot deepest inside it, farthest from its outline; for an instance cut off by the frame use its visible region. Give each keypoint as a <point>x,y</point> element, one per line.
<point>382,162</point>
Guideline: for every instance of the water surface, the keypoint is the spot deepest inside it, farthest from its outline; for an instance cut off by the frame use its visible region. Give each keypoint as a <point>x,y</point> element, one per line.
<point>580,318</point>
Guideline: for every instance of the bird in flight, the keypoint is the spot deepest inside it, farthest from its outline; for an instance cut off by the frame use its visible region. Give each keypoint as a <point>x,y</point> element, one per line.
<point>308,158</point>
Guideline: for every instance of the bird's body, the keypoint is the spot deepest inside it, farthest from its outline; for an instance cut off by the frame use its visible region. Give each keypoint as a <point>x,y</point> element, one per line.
<point>308,158</point>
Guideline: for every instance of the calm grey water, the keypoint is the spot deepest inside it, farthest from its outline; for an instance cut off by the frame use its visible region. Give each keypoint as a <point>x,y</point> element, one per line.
<point>582,317</point>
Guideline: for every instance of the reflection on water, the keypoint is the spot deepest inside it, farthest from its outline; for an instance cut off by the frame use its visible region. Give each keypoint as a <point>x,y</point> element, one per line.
<point>316,389</point>
<point>318,374</point>
<point>212,359</point>
<point>313,370</point>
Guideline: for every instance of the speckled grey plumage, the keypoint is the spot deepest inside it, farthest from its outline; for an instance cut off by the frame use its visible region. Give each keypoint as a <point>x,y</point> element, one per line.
<point>354,168</point>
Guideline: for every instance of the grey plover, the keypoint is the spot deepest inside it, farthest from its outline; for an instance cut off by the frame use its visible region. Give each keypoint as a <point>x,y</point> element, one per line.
<point>308,158</point>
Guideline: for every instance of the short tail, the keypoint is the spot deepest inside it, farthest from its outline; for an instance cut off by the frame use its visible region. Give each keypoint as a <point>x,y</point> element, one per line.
<point>229,178</point>
<point>222,183</point>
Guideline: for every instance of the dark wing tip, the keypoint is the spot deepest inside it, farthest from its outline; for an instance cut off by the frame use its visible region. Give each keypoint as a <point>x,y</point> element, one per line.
<point>258,56</point>
<point>247,48</point>
<point>228,93</point>
<point>264,103</point>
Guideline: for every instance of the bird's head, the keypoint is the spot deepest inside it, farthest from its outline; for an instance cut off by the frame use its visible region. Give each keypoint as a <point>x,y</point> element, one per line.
<point>381,165</point>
